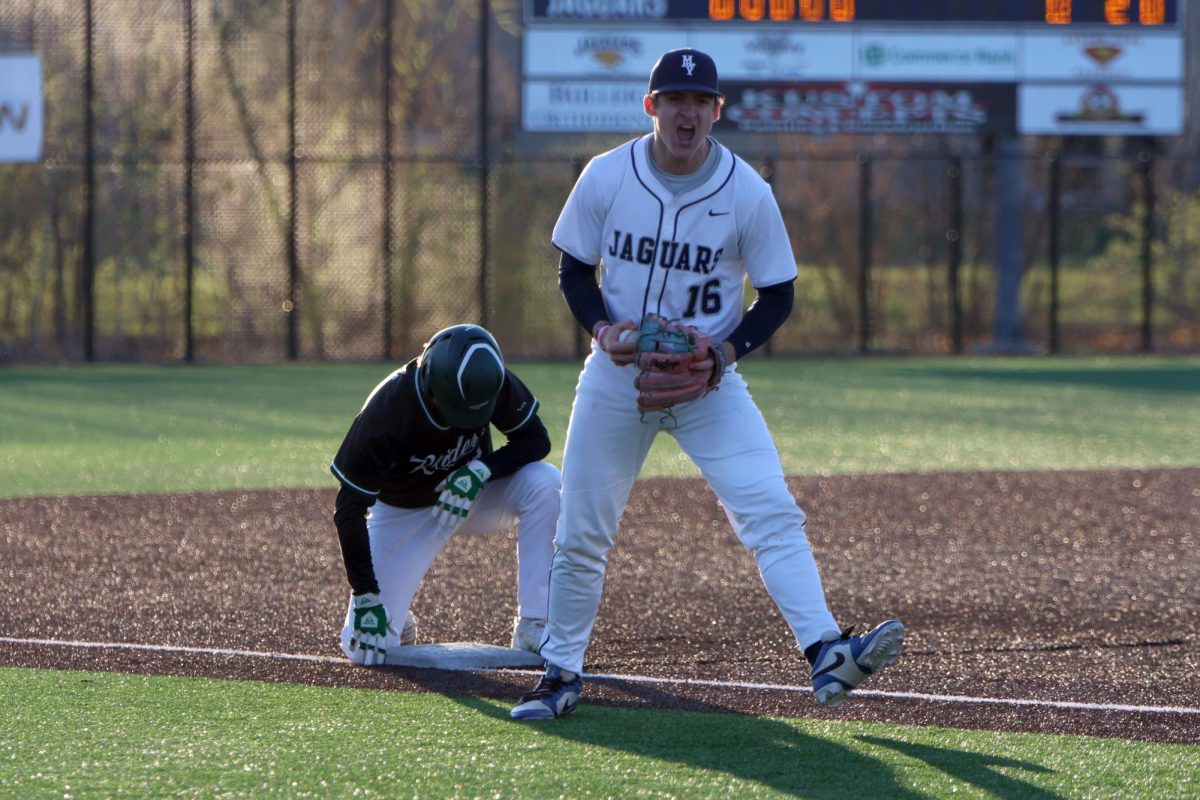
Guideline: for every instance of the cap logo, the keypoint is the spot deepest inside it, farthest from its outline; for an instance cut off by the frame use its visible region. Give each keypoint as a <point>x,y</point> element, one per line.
<point>689,64</point>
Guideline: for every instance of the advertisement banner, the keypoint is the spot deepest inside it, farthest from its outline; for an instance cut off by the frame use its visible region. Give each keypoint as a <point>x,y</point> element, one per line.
<point>593,52</point>
<point>931,57</point>
<point>869,108</point>
<point>741,54</point>
<point>1098,109</point>
<point>1103,56</point>
<point>584,107</point>
<point>752,54</point>
<point>20,108</point>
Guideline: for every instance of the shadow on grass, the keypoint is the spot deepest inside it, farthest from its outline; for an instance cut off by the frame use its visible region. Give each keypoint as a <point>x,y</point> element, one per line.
<point>711,738</point>
<point>975,769</point>
<point>703,735</point>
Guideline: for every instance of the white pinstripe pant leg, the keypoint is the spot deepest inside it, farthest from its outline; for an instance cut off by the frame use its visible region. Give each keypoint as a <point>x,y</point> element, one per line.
<point>726,436</point>
<point>529,500</point>
<point>606,445</point>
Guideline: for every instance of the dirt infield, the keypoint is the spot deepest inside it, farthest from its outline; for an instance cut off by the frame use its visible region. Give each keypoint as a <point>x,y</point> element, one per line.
<point>1053,586</point>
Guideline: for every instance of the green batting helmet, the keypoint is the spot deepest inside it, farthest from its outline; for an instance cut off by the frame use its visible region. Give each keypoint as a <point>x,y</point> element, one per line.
<point>462,370</point>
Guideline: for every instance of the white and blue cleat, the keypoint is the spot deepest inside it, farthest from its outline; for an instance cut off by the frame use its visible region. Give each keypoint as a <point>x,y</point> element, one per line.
<point>552,697</point>
<point>844,663</point>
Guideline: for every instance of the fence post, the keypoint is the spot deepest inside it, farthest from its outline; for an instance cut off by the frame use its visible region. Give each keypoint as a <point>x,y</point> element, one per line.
<point>484,168</point>
<point>1053,206</point>
<point>1147,162</point>
<point>87,276</point>
<point>291,305</point>
<point>1007,335</point>
<point>864,252</point>
<point>189,198</point>
<point>954,250</point>
<point>389,13</point>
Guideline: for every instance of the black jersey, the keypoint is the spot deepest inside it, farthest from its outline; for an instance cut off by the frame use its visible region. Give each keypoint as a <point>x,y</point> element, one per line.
<point>398,449</point>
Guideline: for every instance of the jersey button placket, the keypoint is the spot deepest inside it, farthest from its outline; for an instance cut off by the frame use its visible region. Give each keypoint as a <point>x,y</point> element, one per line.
<point>658,274</point>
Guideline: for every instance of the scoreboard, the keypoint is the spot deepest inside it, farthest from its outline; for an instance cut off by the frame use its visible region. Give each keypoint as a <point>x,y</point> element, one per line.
<point>1066,67</point>
<point>1004,12</point>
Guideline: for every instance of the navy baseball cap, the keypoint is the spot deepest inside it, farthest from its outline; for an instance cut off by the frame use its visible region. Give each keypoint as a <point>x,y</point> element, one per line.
<point>684,70</point>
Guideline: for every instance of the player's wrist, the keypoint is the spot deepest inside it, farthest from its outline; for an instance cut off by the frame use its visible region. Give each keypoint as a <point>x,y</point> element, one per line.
<point>720,359</point>
<point>366,600</point>
<point>480,469</point>
<point>601,331</point>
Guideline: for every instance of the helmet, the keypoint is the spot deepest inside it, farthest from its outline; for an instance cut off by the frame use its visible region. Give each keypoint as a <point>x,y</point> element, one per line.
<point>462,371</point>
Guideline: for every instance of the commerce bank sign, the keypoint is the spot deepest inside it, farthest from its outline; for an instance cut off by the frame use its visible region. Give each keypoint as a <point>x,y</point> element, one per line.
<point>874,54</point>
<point>967,57</point>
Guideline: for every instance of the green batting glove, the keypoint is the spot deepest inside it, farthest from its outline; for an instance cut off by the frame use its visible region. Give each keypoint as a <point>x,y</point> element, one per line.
<point>371,626</point>
<point>458,493</point>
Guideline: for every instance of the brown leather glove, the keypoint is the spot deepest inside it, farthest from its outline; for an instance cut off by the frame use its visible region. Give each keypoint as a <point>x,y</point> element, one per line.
<point>677,364</point>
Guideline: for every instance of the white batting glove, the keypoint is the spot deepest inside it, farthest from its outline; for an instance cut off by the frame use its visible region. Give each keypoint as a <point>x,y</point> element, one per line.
<point>371,626</point>
<point>458,493</point>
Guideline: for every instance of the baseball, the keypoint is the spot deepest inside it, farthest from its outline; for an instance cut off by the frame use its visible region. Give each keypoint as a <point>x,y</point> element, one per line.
<point>627,336</point>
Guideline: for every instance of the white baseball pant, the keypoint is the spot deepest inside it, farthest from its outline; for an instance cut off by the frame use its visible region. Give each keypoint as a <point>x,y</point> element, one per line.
<point>405,541</point>
<point>727,438</point>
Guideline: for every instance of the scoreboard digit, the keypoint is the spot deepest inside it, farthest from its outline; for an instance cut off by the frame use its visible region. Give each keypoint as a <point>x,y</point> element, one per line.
<point>1051,12</point>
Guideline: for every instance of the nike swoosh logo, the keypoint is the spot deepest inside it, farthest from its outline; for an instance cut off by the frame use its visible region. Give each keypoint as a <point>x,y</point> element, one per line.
<point>838,660</point>
<point>712,213</point>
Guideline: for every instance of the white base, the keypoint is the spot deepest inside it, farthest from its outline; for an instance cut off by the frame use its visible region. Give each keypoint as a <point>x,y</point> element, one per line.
<point>461,656</point>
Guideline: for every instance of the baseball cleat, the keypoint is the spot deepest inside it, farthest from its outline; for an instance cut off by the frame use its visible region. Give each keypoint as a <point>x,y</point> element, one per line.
<point>408,633</point>
<point>844,663</point>
<point>528,634</point>
<point>552,697</point>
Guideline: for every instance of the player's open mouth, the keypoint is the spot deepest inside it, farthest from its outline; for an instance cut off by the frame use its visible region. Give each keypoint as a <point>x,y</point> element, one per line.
<point>686,134</point>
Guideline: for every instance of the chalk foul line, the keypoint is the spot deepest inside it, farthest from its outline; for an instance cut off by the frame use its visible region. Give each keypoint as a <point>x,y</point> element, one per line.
<point>776,687</point>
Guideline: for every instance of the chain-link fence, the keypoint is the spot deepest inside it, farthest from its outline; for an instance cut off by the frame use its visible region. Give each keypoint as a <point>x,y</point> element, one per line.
<point>259,180</point>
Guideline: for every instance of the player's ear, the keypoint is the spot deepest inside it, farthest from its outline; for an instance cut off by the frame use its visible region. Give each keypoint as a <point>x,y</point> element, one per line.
<point>648,105</point>
<point>717,111</point>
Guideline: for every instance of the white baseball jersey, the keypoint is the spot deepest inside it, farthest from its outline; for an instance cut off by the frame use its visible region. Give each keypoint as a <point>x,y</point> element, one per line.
<point>684,257</point>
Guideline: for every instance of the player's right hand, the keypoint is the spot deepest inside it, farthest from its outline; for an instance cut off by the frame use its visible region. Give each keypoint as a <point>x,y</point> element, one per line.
<point>371,626</point>
<point>622,349</point>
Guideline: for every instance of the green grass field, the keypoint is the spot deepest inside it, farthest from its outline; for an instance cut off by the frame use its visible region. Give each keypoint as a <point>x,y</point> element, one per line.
<point>148,429</point>
<point>105,429</point>
<point>107,735</point>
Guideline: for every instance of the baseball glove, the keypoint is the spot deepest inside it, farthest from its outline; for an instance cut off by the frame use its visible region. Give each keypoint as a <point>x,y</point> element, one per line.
<point>677,364</point>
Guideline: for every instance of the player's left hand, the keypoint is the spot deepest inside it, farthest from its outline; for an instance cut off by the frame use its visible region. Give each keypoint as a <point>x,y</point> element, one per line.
<point>677,363</point>
<point>458,493</point>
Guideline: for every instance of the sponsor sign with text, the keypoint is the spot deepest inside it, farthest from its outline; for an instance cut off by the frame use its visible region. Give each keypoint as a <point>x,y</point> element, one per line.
<point>868,108</point>
<point>931,57</point>
<point>584,107</point>
<point>1102,56</point>
<point>20,108</point>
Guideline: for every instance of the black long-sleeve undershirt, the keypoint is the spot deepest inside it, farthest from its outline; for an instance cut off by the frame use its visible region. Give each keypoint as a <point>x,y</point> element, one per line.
<point>771,307</point>
<point>350,517</point>
<point>579,287</point>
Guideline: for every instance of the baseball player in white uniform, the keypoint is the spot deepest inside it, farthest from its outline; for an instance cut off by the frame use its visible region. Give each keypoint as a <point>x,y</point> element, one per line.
<point>675,222</point>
